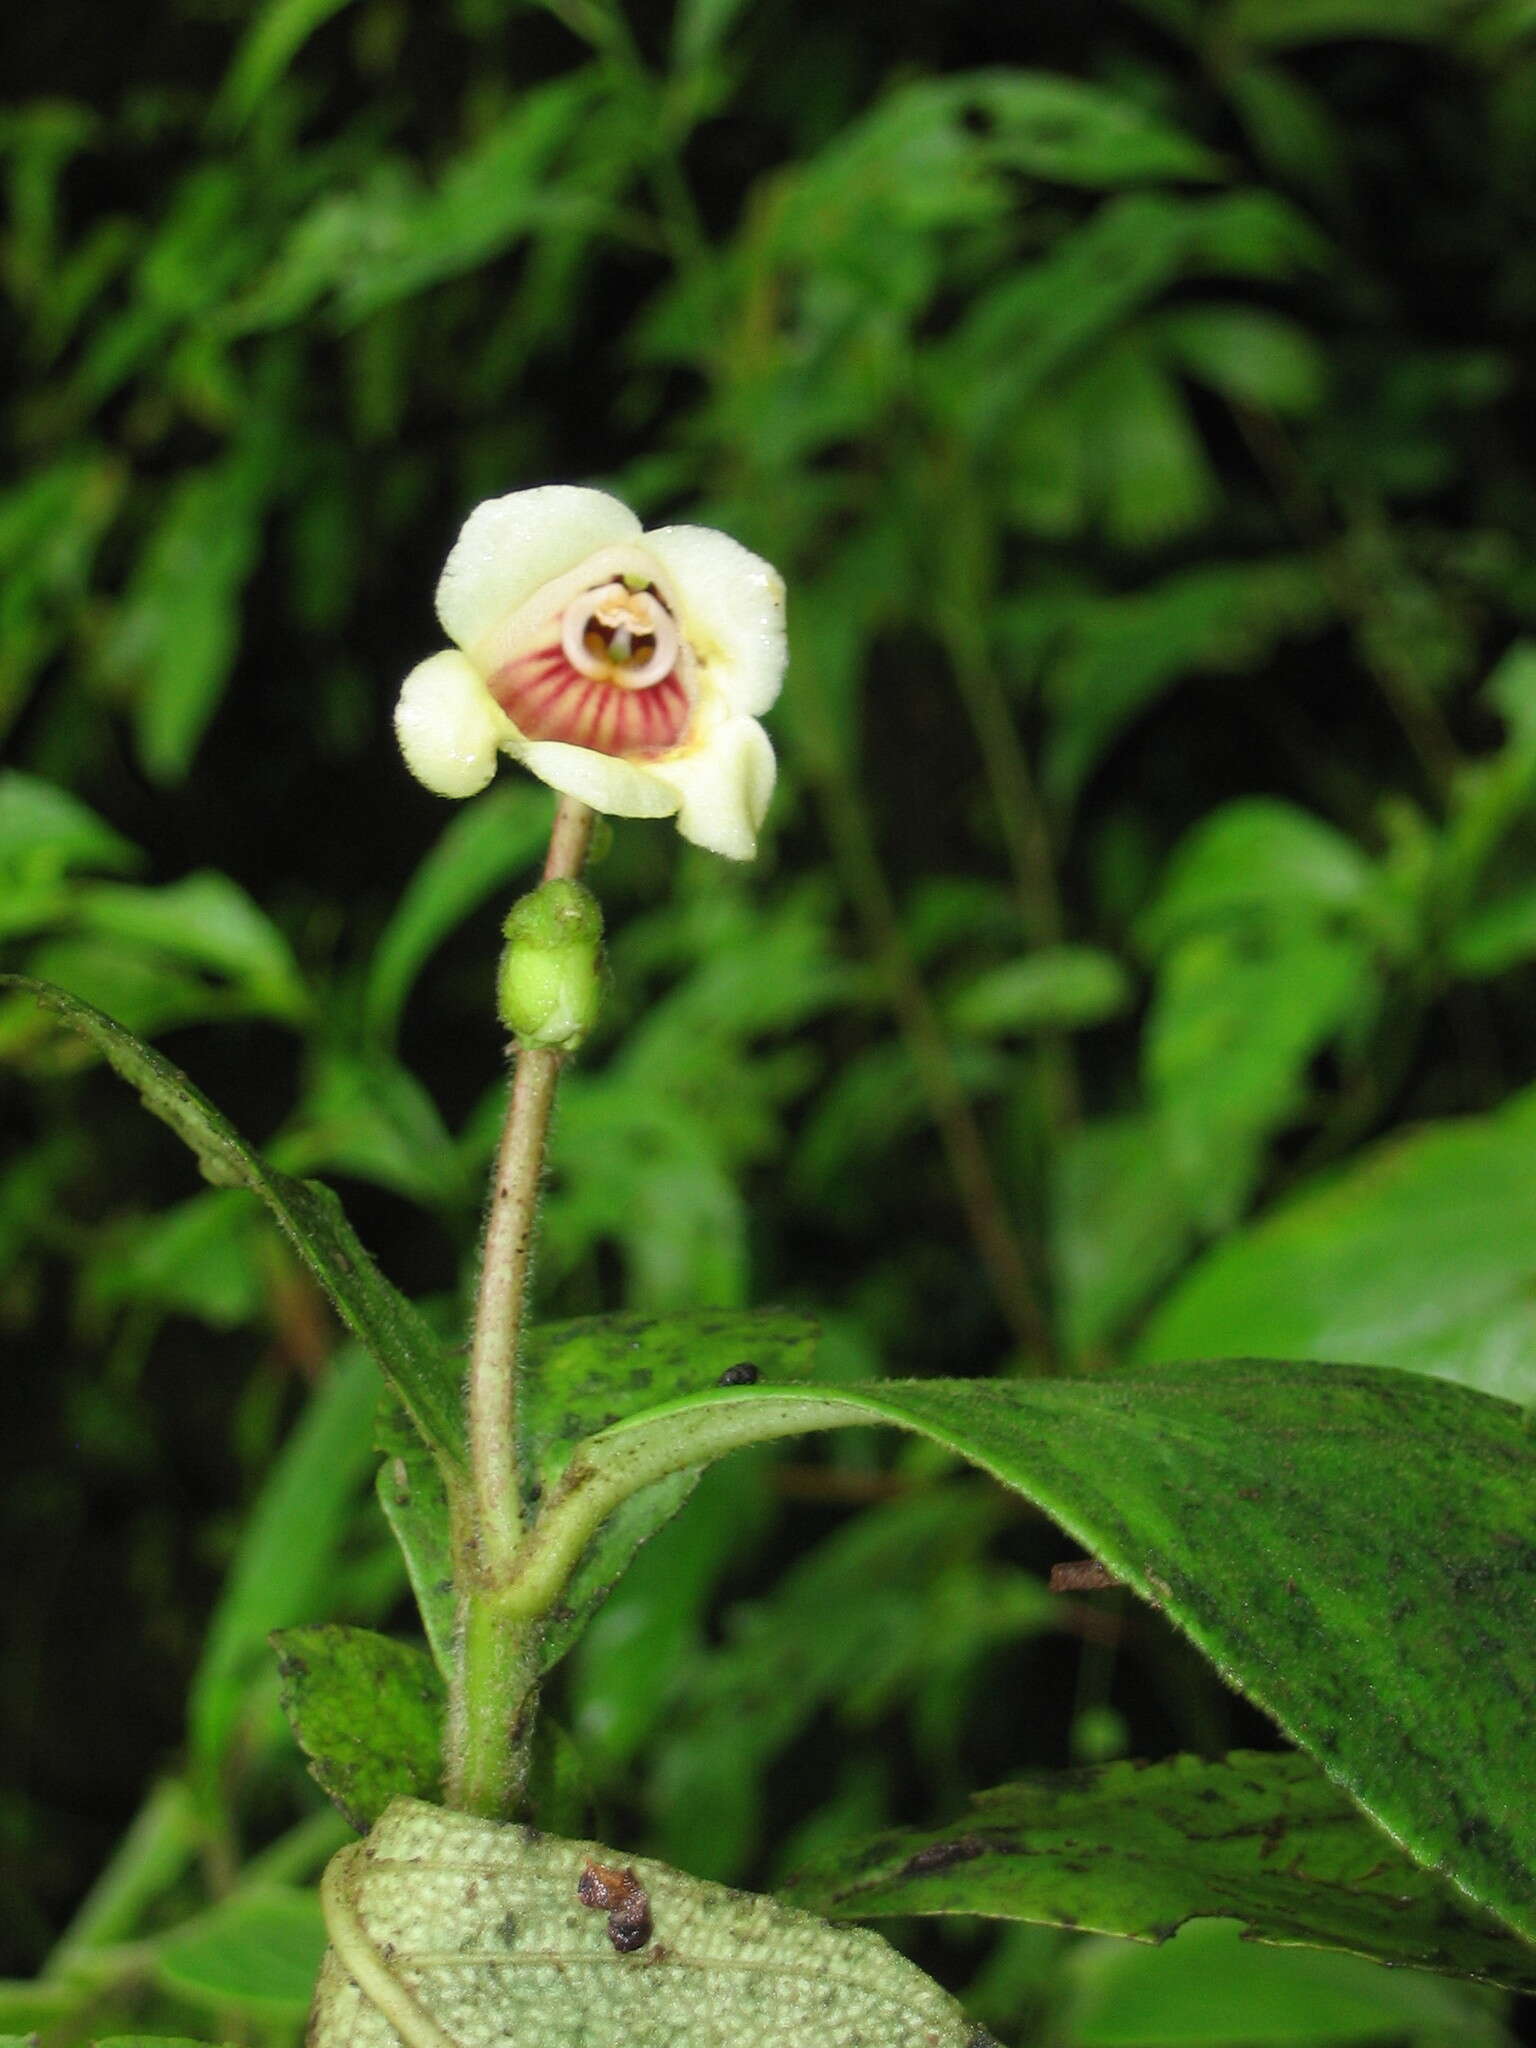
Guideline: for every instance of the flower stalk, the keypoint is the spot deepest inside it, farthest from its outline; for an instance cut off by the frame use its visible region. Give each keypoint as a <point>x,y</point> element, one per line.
<point>497,1661</point>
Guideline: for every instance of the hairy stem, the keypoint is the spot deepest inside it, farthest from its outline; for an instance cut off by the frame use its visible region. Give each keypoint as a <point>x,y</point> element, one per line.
<point>493,1388</point>
<point>496,1658</point>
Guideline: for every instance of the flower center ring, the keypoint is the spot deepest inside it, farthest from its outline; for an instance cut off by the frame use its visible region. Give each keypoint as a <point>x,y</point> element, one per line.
<point>618,635</point>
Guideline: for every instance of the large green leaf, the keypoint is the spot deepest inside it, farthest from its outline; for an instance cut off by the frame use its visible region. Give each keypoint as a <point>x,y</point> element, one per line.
<point>404,1348</point>
<point>1354,1549</point>
<point>367,1712</point>
<point>449,1929</point>
<point>1138,1849</point>
<point>1420,1254</point>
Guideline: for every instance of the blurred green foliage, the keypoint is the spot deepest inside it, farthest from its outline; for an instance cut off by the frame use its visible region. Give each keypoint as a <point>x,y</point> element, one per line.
<point>1139,966</point>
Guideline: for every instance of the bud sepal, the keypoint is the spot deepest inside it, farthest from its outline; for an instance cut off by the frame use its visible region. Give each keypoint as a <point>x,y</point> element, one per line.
<point>549,986</point>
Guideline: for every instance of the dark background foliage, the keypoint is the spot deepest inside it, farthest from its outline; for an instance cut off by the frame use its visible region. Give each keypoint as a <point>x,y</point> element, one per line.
<point>1135,398</point>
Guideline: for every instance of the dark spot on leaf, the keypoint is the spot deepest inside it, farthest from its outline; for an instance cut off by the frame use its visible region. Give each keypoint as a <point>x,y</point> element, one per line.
<point>745,1374</point>
<point>506,1929</point>
<point>941,1855</point>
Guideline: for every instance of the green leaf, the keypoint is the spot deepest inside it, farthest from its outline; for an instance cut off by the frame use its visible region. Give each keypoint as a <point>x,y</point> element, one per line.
<point>176,634</point>
<point>1065,129</point>
<point>488,842</point>
<point>1121,653</point>
<point>1057,987</point>
<point>1420,1254</point>
<point>399,1341</point>
<point>1257,855</point>
<point>366,1711</point>
<point>210,921</point>
<point>1253,358</point>
<point>1236,1021</point>
<point>144,2041</point>
<point>1354,1549</point>
<point>391,239</point>
<point>288,1550</point>
<point>1495,936</point>
<point>45,832</point>
<point>494,1946</point>
<point>699,27</point>
<point>259,1951</point>
<point>272,41</point>
<point>1148,474</point>
<point>1117,1231</point>
<point>365,1115</point>
<point>582,1376</point>
<point>914,1595</point>
<point>1275,23</point>
<point>415,1503</point>
<point>1138,1849</point>
<point>145,994</point>
<point>1294,131</point>
<point>633,1662</point>
<point>1208,1988</point>
<point>200,1257</point>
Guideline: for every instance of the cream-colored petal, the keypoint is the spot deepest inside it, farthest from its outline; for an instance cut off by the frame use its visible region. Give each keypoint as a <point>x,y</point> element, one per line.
<point>621,789</point>
<point>732,606</point>
<point>724,787</point>
<point>449,726</point>
<point>509,548</point>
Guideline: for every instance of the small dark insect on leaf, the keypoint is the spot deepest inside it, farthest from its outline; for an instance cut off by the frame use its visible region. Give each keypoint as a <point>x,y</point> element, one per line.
<point>630,1928</point>
<point>744,1375</point>
<point>622,1897</point>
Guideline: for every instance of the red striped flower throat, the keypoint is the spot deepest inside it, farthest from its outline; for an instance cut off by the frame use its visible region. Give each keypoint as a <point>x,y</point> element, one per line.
<point>607,679</point>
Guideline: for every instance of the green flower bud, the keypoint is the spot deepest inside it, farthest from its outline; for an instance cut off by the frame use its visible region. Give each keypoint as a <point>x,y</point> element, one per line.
<point>549,987</point>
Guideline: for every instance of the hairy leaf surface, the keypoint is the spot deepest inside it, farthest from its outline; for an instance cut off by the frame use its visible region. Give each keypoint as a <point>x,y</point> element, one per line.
<point>405,1349</point>
<point>1354,1549</point>
<point>367,1712</point>
<point>1137,1849</point>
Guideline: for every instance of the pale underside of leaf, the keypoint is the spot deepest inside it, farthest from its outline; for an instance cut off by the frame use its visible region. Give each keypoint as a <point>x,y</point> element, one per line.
<point>452,1932</point>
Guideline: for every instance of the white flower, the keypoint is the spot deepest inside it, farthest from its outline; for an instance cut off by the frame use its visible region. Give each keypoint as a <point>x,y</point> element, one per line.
<point>625,668</point>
